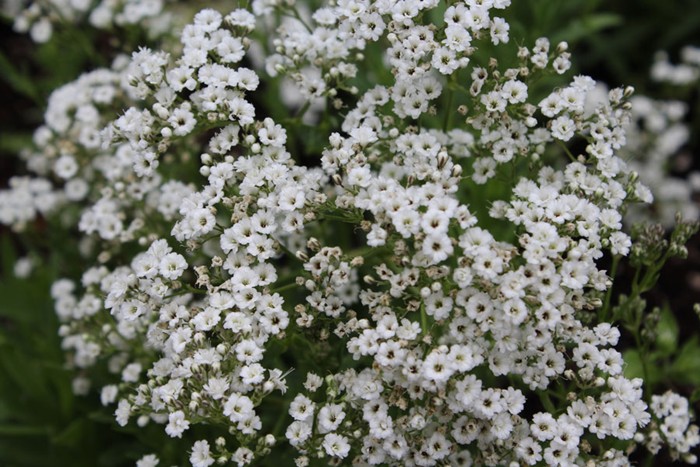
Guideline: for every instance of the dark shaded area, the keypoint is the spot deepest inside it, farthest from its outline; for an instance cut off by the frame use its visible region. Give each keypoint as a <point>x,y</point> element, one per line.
<point>623,55</point>
<point>19,114</point>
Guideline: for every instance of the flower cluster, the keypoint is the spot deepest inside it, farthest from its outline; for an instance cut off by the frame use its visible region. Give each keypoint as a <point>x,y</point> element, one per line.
<point>673,427</point>
<point>684,73</point>
<point>441,260</point>
<point>73,170</point>
<point>40,18</point>
<point>657,136</point>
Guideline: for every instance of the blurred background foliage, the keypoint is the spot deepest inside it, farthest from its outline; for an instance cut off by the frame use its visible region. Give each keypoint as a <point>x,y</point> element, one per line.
<point>42,422</point>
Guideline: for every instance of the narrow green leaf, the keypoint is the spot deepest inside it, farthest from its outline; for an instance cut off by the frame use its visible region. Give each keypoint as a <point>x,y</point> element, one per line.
<point>72,434</point>
<point>22,430</point>
<point>9,257</point>
<point>26,374</point>
<point>586,26</point>
<point>20,82</point>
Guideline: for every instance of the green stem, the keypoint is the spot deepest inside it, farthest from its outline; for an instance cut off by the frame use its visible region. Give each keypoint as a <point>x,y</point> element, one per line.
<point>448,110</point>
<point>642,351</point>
<point>302,110</point>
<point>566,150</point>
<point>337,218</point>
<point>189,288</point>
<point>296,15</point>
<point>547,402</point>
<point>281,288</point>
<point>292,255</point>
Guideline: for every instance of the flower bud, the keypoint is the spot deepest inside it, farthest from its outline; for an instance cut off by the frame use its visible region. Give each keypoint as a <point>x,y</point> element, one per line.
<point>302,256</point>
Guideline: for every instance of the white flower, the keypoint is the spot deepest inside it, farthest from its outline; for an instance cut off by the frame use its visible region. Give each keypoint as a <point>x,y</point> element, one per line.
<point>543,426</point>
<point>248,351</point>
<point>301,408</point>
<point>131,372</point>
<point>238,407</point>
<point>201,457</point>
<point>252,374</point>
<point>298,432</point>
<point>177,424</point>
<point>330,417</point>
<point>66,166</point>
<point>149,460</point>
<point>108,394</point>
<point>563,128</point>
<point>242,456</point>
<point>123,412</point>
<point>217,387</point>
<point>206,320</point>
<point>336,445</point>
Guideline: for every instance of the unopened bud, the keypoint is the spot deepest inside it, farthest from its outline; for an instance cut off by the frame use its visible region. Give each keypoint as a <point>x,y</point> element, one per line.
<point>313,244</point>
<point>302,256</point>
<point>442,159</point>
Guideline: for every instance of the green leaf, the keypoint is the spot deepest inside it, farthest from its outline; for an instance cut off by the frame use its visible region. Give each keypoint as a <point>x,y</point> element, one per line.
<point>101,416</point>
<point>20,82</point>
<point>28,377</point>
<point>686,367</point>
<point>72,434</point>
<point>695,396</point>
<point>21,302</point>
<point>13,143</point>
<point>588,25</point>
<point>667,333</point>
<point>8,257</point>
<point>22,430</point>
<point>633,364</point>
<point>26,452</point>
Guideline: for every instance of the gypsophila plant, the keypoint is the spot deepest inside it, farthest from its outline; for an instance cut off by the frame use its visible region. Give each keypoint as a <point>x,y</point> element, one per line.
<point>658,134</point>
<point>427,280</point>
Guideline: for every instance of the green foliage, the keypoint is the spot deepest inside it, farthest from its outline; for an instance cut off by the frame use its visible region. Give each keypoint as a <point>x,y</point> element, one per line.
<point>42,422</point>
<point>658,355</point>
